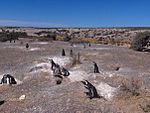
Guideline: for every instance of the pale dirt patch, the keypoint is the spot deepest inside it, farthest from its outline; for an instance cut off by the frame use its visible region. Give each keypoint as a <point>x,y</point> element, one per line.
<point>62,61</point>
<point>106,90</point>
<point>34,49</point>
<point>41,43</point>
<point>45,66</point>
<point>77,75</point>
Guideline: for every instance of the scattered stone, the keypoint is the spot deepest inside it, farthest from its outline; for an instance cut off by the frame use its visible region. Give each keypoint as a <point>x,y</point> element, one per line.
<point>22,97</point>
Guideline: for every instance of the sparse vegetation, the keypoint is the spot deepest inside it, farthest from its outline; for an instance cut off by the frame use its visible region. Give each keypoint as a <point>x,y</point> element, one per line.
<point>140,41</point>
<point>76,60</point>
<point>84,40</point>
<point>67,38</point>
<point>131,86</point>
<point>6,35</point>
<point>145,107</point>
<point>49,37</point>
<point>114,66</point>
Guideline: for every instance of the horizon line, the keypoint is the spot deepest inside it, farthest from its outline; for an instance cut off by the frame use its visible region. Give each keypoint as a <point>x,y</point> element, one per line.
<point>32,24</point>
<point>7,26</point>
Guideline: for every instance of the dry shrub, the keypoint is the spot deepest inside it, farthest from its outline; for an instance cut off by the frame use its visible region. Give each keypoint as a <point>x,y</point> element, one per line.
<point>60,38</point>
<point>76,60</point>
<point>45,38</point>
<point>140,40</point>
<point>84,40</point>
<point>120,42</point>
<point>113,67</point>
<point>65,38</point>
<point>115,41</point>
<point>145,107</point>
<point>131,86</point>
<point>102,40</point>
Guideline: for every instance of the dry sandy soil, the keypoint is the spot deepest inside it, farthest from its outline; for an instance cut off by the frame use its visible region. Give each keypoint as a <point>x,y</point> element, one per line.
<point>42,95</point>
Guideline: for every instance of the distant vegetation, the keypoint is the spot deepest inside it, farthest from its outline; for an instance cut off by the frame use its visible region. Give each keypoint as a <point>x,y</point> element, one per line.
<point>48,37</point>
<point>119,36</point>
<point>7,36</point>
<point>140,41</point>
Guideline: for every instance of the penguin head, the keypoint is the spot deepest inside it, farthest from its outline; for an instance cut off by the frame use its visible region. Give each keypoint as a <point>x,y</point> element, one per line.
<point>5,75</point>
<point>94,62</point>
<point>85,82</point>
<point>51,60</point>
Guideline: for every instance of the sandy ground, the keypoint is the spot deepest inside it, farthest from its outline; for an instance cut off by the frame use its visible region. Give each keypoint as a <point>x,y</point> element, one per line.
<point>42,95</point>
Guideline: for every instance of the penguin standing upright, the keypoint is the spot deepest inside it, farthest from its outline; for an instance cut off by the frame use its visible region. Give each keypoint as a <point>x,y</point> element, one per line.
<point>27,45</point>
<point>71,53</point>
<point>63,52</point>
<point>92,92</point>
<point>96,70</point>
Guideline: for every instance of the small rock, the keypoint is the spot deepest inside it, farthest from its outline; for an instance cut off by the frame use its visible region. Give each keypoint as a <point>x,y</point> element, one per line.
<point>22,97</point>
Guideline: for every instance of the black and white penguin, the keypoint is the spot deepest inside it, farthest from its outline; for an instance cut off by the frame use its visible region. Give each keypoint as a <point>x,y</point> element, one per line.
<point>53,64</point>
<point>71,53</point>
<point>63,52</point>
<point>27,45</point>
<point>96,70</point>
<point>57,70</point>
<point>8,79</point>
<point>64,72</point>
<point>92,92</point>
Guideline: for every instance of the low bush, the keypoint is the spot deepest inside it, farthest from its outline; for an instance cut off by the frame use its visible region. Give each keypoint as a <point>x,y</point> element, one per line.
<point>6,35</point>
<point>131,85</point>
<point>140,40</point>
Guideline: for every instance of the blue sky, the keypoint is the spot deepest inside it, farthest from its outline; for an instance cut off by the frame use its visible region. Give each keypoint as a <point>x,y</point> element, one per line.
<point>75,13</point>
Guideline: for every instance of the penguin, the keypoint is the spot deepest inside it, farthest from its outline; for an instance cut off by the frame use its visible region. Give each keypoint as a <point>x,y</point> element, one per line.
<point>63,52</point>
<point>96,70</point>
<point>89,44</point>
<point>27,45</point>
<point>8,79</point>
<point>57,70</point>
<point>65,72</point>
<point>58,79</point>
<point>92,92</point>
<point>71,53</point>
<point>53,64</point>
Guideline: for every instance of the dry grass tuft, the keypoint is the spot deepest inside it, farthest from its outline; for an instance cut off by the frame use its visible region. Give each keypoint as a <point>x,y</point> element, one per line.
<point>131,86</point>
<point>76,60</point>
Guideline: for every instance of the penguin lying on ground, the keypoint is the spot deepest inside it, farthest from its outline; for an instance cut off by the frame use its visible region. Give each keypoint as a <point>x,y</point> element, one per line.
<point>58,72</point>
<point>64,72</point>
<point>8,79</point>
